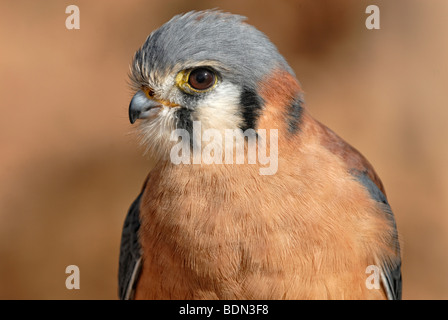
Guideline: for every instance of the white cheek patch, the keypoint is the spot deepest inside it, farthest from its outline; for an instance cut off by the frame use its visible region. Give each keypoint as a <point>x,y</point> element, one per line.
<point>220,109</point>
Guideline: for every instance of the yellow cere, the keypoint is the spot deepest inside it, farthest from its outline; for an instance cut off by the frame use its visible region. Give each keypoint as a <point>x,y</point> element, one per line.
<point>148,92</point>
<point>150,95</point>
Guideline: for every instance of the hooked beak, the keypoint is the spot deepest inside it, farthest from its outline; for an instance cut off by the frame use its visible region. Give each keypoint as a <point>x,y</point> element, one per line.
<point>141,107</point>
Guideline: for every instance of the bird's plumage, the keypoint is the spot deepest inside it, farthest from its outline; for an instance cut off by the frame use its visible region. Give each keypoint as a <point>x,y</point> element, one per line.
<point>130,253</point>
<point>223,231</point>
<point>391,275</point>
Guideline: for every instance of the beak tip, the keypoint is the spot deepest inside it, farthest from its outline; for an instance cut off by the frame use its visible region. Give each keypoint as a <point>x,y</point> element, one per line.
<point>134,112</point>
<point>132,118</point>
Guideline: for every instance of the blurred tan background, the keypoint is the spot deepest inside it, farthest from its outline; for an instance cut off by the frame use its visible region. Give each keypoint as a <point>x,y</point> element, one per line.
<point>70,165</point>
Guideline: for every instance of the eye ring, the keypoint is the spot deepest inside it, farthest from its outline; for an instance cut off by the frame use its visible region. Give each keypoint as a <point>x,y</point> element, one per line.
<point>197,80</point>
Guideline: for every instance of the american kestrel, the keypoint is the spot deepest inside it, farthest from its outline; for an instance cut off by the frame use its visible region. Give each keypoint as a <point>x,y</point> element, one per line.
<point>308,230</point>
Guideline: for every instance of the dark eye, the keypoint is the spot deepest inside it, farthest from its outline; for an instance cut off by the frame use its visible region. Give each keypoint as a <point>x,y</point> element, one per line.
<point>201,79</point>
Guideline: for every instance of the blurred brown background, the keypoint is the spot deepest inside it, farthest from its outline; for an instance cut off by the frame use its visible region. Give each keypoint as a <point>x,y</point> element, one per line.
<point>70,165</point>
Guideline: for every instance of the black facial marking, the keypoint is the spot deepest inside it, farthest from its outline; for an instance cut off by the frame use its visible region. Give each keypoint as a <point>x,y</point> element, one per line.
<point>184,121</point>
<point>251,104</point>
<point>294,115</point>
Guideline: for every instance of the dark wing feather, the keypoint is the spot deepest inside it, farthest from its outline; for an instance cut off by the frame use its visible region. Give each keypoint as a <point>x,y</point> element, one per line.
<point>130,252</point>
<point>391,276</point>
<point>363,171</point>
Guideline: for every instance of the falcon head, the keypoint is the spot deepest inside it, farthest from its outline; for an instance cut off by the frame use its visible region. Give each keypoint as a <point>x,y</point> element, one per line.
<point>200,66</point>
